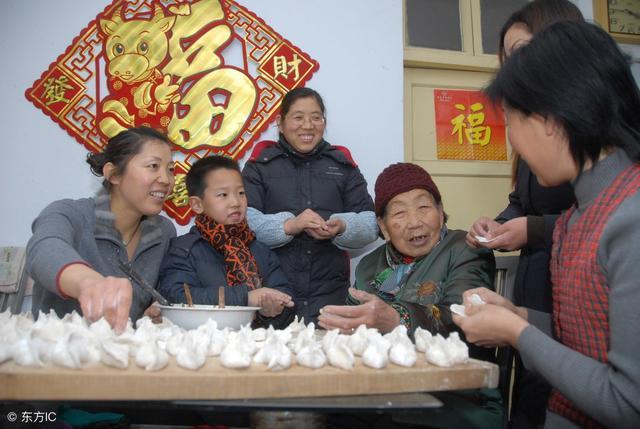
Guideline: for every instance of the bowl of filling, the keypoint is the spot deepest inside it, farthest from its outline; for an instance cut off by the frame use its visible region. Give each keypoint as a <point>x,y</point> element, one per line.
<point>190,317</point>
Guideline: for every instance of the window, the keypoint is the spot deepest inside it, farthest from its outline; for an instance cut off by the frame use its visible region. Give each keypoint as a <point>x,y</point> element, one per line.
<point>453,34</point>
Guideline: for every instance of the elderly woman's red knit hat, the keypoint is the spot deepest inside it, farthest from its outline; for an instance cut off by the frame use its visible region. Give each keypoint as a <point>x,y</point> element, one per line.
<point>399,178</point>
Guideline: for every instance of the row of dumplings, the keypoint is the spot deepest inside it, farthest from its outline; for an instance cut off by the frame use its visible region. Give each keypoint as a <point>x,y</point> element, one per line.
<point>72,343</point>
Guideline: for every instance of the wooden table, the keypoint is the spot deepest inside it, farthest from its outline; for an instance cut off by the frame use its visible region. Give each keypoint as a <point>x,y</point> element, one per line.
<point>214,382</point>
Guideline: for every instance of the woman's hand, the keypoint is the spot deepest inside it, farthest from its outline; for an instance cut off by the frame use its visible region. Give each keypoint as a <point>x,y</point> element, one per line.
<point>109,297</point>
<point>481,228</point>
<point>491,325</point>
<point>308,219</point>
<point>491,297</point>
<point>332,228</point>
<point>511,235</point>
<point>373,312</point>
<point>99,296</point>
<point>270,301</point>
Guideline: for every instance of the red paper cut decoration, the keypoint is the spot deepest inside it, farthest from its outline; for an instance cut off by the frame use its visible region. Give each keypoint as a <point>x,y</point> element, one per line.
<point>468,127</point>
<point>209,73</point>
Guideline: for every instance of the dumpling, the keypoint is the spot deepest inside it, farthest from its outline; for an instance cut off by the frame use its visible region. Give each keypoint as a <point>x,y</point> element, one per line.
<point>275,354</point>
<point>358,340</point>
<point>192,352</point>
<point>151,357</point>
<point>311,355</point>
<point>114,354</point>
<point>233,357</point>
<point>340,356</point>
<point>423,338</point>
<point>376,355</point>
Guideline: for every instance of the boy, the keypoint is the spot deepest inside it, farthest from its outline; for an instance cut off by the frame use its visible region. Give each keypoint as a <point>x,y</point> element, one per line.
<point>221,249</point>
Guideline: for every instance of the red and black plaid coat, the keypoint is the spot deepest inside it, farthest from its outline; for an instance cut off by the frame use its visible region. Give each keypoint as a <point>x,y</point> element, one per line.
<point>580,289</point>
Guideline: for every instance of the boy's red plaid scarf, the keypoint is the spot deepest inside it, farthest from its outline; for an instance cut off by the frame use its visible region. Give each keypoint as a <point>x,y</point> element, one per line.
<point>233,242</point>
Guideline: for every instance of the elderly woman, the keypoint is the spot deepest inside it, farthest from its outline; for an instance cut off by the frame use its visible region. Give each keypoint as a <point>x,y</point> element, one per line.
<point>422,268</point>
<point>414,277</point>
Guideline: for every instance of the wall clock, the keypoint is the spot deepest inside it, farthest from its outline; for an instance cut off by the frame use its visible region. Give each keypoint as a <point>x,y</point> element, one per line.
<point>620,18</point>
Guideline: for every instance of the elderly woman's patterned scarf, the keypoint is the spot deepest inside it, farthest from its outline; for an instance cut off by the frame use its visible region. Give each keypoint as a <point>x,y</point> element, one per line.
<point>233,242</point>
<point>401,266</point>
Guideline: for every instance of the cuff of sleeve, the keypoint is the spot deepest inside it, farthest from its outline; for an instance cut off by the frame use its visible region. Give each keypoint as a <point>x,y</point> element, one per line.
<point>64,267</point>
<point>360,230</point>
<point>269,228</point>
<point>405,317</point>
<point>529,345</point>
<point>236,295</point>
<point>535,230</point>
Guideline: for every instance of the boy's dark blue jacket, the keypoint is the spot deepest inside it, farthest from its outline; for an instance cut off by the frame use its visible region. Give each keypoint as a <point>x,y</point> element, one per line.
<point>192,260</point>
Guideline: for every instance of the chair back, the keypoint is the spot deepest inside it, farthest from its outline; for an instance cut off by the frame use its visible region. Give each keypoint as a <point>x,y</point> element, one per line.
<point>506,268</point>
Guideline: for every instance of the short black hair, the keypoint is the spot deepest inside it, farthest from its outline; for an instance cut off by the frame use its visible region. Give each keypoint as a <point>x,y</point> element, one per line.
<point>575,73</point>
<point>296,94</point>
<point>196,177</point>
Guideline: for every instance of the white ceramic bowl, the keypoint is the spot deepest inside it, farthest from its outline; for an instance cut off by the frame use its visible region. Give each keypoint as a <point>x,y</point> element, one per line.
<point>191,317</point>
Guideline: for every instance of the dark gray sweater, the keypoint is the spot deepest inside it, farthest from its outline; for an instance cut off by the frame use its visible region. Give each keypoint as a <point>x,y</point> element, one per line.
<point>71,231</point>
<point>608,392</point>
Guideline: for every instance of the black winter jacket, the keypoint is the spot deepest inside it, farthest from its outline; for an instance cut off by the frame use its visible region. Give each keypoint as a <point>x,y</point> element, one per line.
<point>278,179</point>
<point>542,205</point>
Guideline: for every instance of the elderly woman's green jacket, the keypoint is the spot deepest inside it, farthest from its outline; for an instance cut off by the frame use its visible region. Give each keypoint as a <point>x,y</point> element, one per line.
<point>437,281</point>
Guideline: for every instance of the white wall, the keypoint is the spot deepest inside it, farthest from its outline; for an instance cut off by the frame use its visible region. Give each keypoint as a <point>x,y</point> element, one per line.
<point>358,44</point>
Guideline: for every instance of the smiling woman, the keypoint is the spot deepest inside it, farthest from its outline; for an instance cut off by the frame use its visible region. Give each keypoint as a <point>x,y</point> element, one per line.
<point>414,278</point>
<point>77,245</point>
<point>422,268</point>
<point>309,201</point>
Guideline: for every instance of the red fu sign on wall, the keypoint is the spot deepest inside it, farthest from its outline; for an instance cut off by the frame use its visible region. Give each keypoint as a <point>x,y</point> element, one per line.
<point>209,73</point>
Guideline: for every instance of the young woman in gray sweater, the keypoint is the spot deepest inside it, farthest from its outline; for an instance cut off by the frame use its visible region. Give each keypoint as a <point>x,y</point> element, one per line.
<point>78,246</point>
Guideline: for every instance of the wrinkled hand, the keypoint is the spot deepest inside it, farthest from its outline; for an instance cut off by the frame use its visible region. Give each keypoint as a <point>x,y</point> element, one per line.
<point>270,301</point>
<point>108,297</point>
<point>373,312</point>
<point>166,93</point>
<point>491,325</point>
<point>154,313</point>
<point>308,219</point>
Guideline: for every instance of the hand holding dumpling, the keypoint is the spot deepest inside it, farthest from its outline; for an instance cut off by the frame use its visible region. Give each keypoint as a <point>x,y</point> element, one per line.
<point>496,323</point>
<point>99,296</point>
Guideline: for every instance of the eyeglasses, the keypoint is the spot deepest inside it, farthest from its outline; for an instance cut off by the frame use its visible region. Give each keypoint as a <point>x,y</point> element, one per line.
<point>299,119</point>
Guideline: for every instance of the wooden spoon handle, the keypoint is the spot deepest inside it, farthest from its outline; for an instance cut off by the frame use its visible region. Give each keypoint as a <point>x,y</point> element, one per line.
<point>221,297</point>
<point>187,292</point>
